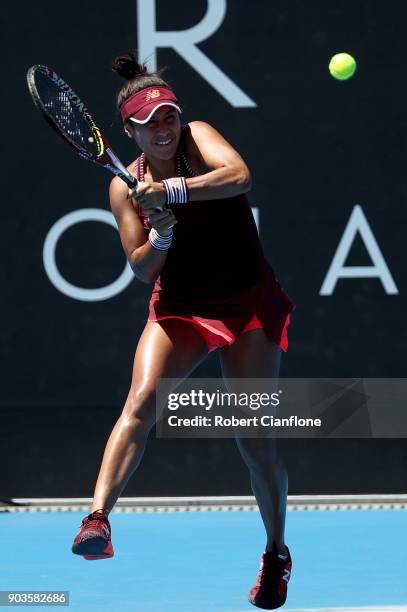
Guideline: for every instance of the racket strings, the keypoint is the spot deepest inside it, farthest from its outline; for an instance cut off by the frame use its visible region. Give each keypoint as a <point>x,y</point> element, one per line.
<point>59,104</point>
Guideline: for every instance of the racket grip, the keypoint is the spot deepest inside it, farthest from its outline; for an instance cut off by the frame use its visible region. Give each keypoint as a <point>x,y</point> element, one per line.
<point>161,208</point>
<point>130,181</point>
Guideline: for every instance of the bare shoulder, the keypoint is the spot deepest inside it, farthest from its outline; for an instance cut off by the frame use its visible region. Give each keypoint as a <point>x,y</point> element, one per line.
<point>202,129</point>
<point>196,125</point>
<point>204,135</point>
<point>198,137</point>
<point>118,190</point>
<point>205,143</point>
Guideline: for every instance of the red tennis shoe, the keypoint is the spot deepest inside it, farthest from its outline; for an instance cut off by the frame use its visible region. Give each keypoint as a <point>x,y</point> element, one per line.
<point>93,540</point>
<point>270,590</point>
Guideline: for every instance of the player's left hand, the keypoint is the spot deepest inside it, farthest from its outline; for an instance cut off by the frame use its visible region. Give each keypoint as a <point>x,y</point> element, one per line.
<point>149,196</point>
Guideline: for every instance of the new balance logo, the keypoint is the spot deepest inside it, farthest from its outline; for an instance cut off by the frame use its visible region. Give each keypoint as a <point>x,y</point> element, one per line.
<point>153,93</point>
<point>287,575</point>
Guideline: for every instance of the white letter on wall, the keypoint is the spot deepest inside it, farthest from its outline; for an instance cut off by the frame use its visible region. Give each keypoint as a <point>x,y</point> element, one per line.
<point>184,42</point>
<point>50,265</point>
<point>358,223</point>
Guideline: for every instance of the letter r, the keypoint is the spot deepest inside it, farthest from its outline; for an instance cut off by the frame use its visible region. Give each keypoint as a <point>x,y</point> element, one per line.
<point>184,42</point>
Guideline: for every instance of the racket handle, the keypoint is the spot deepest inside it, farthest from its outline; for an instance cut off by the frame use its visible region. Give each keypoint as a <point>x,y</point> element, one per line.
<point>121,170</point>
<point>161,208</point>
<point>129,180</point>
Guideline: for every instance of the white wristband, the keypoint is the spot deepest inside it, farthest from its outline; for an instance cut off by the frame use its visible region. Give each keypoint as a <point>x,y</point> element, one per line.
<point>176,190</point>
<point>161,243</point>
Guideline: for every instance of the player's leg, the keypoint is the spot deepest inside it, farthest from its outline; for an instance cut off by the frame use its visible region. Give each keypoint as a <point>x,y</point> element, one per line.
<point>169,349</point>
<point>253,355</point>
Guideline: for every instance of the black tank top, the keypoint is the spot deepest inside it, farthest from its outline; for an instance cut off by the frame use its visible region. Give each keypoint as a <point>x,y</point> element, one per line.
<point>215,250</point>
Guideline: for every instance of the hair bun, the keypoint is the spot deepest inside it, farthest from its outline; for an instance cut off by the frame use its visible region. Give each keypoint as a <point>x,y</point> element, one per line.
<point>127,66</point>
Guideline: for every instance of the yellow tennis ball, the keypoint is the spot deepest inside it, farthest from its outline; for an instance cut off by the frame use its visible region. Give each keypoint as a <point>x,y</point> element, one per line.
<point>342,66</point>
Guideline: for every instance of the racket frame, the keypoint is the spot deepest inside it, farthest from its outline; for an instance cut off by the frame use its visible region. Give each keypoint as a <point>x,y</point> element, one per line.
<point>105,156</point>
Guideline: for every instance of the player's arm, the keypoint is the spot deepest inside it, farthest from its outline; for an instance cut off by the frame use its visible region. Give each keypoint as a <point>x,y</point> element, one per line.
<point>226,173</point>
<point>222,173</point>
<point>145,261</point>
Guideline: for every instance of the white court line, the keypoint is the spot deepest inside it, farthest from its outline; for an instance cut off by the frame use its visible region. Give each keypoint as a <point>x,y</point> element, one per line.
<point>362,609</point>
<point>211,503</point>
<point>232,500</point>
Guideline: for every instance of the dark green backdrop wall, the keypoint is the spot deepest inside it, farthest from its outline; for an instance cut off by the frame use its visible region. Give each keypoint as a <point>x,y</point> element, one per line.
<point>316,148</point>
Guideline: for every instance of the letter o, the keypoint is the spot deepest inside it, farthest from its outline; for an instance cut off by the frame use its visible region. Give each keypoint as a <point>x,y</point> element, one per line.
<point>50,244</point>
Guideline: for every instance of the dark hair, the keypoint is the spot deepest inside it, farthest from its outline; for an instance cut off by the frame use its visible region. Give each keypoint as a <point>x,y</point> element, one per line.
<point>136,75</point>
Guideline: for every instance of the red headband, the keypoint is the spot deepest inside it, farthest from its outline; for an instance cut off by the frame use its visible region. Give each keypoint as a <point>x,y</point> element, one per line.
<point>140,107</point>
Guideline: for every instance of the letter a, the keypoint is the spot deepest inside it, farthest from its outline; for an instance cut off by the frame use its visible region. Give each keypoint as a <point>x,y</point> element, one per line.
<point>358,223</point>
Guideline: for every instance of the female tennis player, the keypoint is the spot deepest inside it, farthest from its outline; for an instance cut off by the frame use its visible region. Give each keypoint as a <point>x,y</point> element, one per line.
<point>189,228</point>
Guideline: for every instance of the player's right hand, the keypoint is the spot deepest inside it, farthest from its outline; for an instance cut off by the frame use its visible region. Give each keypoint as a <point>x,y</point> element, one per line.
<point>162,221</point>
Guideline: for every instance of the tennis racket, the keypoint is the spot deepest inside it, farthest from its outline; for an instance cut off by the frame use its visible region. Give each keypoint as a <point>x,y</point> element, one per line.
<point>67,114</point>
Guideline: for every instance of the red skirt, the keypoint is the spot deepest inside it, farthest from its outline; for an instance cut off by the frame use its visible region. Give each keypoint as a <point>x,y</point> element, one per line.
<point>221,322</point>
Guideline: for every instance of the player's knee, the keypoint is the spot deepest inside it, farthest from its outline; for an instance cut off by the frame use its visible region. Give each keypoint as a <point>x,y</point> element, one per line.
<point>260,454</point>
<point>140,408</point>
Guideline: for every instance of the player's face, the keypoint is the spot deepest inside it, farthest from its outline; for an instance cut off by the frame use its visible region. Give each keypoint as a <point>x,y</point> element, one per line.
<point>159,137</point>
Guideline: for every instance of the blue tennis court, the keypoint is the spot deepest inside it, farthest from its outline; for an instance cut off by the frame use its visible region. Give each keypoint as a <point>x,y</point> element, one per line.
<point>200,561</point>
